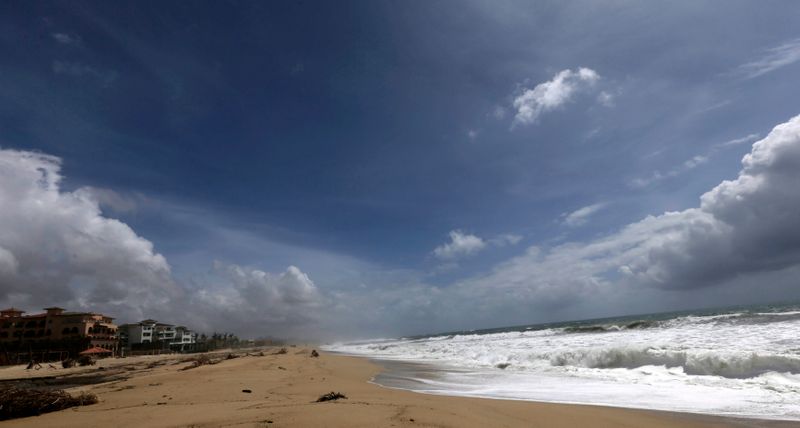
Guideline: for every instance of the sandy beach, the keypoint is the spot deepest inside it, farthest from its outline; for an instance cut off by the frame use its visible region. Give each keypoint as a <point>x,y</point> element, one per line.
<point>157,391</point>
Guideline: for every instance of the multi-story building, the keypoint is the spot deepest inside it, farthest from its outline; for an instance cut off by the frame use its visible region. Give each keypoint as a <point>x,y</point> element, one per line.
<point>55,329</point>
<point>164,336</point>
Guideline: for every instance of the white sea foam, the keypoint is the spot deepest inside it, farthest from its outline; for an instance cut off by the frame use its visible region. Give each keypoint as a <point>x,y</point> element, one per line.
<point>740,363</point>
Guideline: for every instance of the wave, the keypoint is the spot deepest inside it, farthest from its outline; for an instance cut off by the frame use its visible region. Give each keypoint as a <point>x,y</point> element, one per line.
<point>604,328</point>
<point>736,366</point>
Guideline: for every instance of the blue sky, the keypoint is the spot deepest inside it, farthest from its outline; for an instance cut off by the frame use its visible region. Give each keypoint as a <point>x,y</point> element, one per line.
<point>389,151</point>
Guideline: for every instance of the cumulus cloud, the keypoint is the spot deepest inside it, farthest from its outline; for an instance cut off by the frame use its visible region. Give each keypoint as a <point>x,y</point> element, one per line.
<point>550,95</point>
<point>581,216</point>
<point>461,245</point>
<point>57,248</point>
<point>773,59</point>
<point>741,228</point>
<point>254,302</point>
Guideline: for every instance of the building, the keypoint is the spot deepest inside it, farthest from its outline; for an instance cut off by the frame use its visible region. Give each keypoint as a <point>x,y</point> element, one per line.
<point>151,334</point>
<point>56,331</point>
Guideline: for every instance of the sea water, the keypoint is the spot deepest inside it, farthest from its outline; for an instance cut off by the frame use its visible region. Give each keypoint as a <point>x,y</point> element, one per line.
<point>741,361</point>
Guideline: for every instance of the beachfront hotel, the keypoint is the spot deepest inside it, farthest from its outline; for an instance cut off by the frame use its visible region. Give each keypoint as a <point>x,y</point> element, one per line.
<point>56,332</point>
<point>149,332</point>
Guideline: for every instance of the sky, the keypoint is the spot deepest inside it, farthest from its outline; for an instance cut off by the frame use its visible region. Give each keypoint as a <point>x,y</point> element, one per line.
<point>330,170</point>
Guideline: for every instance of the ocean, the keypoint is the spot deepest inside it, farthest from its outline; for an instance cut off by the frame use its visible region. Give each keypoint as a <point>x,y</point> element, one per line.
<point>739,361</point>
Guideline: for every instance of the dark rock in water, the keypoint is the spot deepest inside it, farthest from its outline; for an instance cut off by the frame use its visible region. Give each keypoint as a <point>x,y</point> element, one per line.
<point>503,366</point>
<point>314,353</point>
<point>331,396</point>
<point>247,391</point>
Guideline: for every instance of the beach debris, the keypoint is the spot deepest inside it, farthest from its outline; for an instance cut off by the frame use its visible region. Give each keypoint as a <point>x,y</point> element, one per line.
<point>281,368</point>
<point>68,363</point>
<point>503,366</point>
<point>231,356</point>
<point>85,360</point>
<point>331,396</point>
<point>248,391</point>
<point>314,353</point>
<point>200,360</point>
<point>281,351</point>
<point>18,403</point>
<point>33,365</point>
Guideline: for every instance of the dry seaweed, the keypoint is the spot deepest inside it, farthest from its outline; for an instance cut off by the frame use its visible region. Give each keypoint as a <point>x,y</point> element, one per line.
<point>19,403</point>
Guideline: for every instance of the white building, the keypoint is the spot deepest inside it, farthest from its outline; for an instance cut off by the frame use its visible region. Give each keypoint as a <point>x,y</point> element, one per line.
<point>152,331</point>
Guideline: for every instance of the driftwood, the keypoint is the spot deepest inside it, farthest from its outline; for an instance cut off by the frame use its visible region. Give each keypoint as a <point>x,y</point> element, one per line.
<point>331,396</point>
<point>18,403</point>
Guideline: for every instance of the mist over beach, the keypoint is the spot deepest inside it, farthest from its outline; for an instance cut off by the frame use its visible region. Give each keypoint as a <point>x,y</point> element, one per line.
<point>560,205</point>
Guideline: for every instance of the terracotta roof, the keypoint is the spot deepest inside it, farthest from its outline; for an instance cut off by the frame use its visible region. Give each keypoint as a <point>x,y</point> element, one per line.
<point>95,350</point>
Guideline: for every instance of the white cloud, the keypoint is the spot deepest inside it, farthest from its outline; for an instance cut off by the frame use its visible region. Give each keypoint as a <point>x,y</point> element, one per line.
<point>472,134</point>
<point>79,70</point>
<point>464,245</point>
<point>460,245</point>
<point>689,164</point>
<point>737,141</point>
<point>499,112</point>
<point>581,216</point>
<point>606,99</point>
<point>742,228</point>
<point>505,239</point>
<point>695,162</point>
<point>775,58</point>
<point>550,95</point>
<point>113,201</point>
<point>57,248</point>
<point>254,302</point>
<point>67,39</point>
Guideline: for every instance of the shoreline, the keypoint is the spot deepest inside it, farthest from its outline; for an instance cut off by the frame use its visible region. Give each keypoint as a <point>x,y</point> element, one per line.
<point>396,376</point>
<point>281,390</point>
